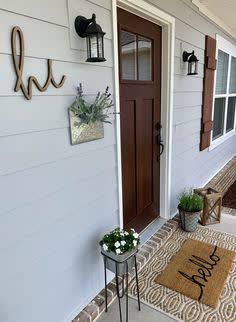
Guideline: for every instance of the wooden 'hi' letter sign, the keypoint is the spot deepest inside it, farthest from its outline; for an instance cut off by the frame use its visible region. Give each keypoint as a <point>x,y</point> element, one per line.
<point>19,67</point>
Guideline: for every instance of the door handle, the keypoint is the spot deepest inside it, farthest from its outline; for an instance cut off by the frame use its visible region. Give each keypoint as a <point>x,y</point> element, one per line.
<point>162,147</point>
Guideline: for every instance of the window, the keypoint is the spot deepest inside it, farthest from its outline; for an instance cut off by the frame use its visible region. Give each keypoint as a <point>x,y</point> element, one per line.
<point>225,91</point>
<point>136,57</point>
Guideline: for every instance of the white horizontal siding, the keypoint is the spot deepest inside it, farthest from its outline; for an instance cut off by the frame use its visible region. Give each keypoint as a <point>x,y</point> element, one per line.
<point>181,68</point>
<point>46,40</point>
<point>186,114</point>
<point>74,75</point>
<point>54,11</point>
<point>57,200</point>
<point>86,8</point>
<point>190,167</point>
<point>187,84</point>
<point>37,216</point>
<point>186,99</point>
<point>42,113</point>
<point>34,183</point>
<point>181,45</point>
<point>39,244</point>
<point>44,147</point>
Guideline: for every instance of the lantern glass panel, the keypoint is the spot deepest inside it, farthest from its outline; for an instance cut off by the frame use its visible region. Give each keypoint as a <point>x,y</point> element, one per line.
<point>100,46</point>
<point>93,48</point>
<point>191,68</point>
<point>196,67</point>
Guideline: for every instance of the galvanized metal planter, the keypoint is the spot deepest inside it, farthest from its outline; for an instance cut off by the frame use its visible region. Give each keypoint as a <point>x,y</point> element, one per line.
<point>112,258</point>
<point>81,132</point>
<point>189,220</point>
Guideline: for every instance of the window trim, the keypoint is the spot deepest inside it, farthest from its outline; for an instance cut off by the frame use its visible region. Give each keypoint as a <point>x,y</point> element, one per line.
<point>230,49</point>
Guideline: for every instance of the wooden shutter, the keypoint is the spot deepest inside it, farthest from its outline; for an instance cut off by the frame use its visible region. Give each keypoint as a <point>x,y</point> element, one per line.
<point>208,88</point>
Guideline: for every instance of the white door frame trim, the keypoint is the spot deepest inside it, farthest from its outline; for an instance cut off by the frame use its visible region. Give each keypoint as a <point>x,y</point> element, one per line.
<point>167,22</point>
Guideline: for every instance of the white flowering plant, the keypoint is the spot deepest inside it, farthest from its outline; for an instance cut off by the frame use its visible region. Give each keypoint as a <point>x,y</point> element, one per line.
<point>119,241</point>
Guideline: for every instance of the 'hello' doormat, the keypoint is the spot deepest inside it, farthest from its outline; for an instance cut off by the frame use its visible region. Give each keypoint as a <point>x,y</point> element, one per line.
<point>199,271</point>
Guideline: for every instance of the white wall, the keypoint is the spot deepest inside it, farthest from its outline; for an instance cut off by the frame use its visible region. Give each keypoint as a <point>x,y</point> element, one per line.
<point>190,167</point>
<point>57,199</point>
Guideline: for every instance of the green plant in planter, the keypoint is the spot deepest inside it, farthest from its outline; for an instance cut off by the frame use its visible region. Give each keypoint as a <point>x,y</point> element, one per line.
<point>95,111</point>
<point>190,207</point>
<point>119,241</point>
<point>191,202</point>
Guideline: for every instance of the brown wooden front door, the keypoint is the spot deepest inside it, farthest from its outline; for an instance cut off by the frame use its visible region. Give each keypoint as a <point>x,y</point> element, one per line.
<point>140,112</point>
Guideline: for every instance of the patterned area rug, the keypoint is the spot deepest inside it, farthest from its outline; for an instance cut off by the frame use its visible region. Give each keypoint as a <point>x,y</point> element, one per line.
<point>177,304</point>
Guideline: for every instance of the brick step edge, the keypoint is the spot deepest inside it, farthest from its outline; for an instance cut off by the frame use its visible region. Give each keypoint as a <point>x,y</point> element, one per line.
<point>97,306</point>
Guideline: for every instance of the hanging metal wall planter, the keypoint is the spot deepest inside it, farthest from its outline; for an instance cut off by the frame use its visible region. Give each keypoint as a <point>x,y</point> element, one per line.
<point>87,118</point>
<point>81,132</point>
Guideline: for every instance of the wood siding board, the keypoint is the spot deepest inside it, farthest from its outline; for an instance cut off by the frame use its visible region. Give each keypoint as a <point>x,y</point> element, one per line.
<point>186,144</point>
<point>47,178</point>
<point>39,148</point>
<point>190,84</point>
<point>75,73</point>
<point>181,45</point>
<point>53,11</point>
<point>34,120</point>
<point>181,69</point>
<point>189,14</point>
<point>44,40</point>
<point>86,8</point>
<point>182,99</point>
<point>35,246</point>
<point>186,129</point>
<point>187,114</point>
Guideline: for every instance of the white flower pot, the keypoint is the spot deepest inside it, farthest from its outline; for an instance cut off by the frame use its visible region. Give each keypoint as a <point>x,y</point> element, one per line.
<point>121,261</point>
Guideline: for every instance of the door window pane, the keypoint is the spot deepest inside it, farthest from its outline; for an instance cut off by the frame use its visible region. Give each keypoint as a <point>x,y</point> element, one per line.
<point>232,86</point>
<point>222,72</point>
<point>219,112</point>
<point>128,55</point>
<point>144,58</point>
<point>230,114</point>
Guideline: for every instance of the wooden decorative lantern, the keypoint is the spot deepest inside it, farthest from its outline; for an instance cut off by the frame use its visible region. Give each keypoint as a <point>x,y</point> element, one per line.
<point>212,203</point>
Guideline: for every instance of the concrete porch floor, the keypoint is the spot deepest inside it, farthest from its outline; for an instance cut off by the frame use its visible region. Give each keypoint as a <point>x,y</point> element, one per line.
<point>148,314</point>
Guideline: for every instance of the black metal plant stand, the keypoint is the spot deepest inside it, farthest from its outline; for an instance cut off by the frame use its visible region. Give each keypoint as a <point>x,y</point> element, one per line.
<point>124,290</point>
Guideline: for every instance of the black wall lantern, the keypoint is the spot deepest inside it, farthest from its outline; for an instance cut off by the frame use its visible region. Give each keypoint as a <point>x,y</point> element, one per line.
<point>192,62</point>
<point>93,32</point>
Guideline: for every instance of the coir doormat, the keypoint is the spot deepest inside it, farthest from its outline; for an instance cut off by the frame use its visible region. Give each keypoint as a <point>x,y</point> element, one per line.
<point>198,270</point>
<point>174,303</point>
